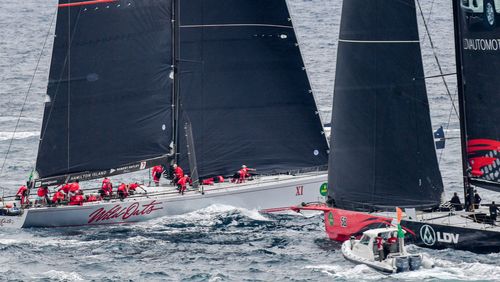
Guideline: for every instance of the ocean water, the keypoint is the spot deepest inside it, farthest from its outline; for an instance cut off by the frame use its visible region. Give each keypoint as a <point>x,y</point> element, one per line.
<point>219,243</point>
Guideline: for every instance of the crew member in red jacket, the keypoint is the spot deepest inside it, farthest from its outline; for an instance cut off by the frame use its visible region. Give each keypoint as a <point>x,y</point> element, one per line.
<point>106,188</point>
<point>156,172</point>
<point>58,197</point>
<point>122,191</point>
<point>42,195</point>
<point>106,181</point>
<point>74,188</point>
<point>22,193</point>
<point>244,173</point>
<point>77,200</point>
<point>91,198</point>
<point>132,187</point>
<point>178,173</point>
<point>182,183</point>
<point>65,188</point>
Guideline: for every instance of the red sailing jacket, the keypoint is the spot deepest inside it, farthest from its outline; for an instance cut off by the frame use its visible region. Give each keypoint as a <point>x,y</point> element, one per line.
<point>65,188</point>
<point>22,190</point>
<point>179,173</point>
<point>157,170</point>
<point>76,200</point>
<point>42,192</point>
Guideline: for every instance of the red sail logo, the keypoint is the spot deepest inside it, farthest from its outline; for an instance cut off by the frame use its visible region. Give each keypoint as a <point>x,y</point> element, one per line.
<point>478,154</point>
<point>118,211</point>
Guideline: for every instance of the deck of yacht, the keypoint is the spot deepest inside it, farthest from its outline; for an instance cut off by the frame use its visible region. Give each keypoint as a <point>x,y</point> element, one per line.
<point>169,191</point>
<point>462,219</point>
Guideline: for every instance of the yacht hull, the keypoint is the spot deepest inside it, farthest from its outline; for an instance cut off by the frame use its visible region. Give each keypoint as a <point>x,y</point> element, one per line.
<point>438,230</point>
<point>163,201</point>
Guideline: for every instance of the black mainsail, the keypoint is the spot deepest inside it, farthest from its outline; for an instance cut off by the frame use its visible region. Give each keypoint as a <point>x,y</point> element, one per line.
<point>127,76</point>
<point>478,64</point>
<point>383,151</point>
<point>110,90</point>
<point>244,88</point>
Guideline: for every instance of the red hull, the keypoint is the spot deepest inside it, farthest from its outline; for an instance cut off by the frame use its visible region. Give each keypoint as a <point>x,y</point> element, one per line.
<point>340,225</point>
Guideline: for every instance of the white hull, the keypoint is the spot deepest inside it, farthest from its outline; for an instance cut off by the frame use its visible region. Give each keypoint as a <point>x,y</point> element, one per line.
<point>395,258</point>
<point>386,266</point>
<point>264,193</point>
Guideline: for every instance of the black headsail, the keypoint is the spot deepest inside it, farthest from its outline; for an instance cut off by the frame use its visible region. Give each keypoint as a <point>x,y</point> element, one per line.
<point>383,151</point>
<point>478,66</point>
<point>244,88</point>
<point>110,90</point>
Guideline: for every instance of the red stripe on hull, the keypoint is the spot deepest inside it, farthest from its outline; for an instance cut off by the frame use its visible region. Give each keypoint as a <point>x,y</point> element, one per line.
<point>85,3</point>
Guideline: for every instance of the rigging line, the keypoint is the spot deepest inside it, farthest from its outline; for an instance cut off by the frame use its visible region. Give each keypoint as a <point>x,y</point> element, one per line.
<point>27,95</point>
<point>428,17</point>
<point>436,57</point>
<point>447,127</point>
<point>53,100</point>
<point>440,75</point>
<point>69,85</point>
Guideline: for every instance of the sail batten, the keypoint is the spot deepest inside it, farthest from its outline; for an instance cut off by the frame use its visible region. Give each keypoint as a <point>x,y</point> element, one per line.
<point>109,87</point>
<point>383,152</point>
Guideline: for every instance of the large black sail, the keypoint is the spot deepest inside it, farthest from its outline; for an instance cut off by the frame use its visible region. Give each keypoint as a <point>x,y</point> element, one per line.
<point>109,88</point>
<point>383,151</point>
<point>244,88</point>
<point>478,51</point>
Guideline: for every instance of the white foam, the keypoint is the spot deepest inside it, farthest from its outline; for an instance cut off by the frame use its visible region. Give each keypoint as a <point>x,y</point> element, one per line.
<point>6,135</point>
<point>354,272</point>
<point>217,209</point>
<point>62,275</point>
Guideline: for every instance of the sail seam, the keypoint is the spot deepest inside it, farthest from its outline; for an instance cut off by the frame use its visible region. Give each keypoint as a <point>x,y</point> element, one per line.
<point>234,25</point>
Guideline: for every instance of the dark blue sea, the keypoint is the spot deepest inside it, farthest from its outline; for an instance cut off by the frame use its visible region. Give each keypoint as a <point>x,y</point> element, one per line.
<point>219,243</point>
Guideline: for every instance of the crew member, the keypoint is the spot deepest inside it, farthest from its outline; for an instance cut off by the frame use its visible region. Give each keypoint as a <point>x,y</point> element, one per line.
<point>469,199</point>
<point>106,188</point>
<point>156,172</point>
<point>122,191</point>
<point>392,243</point>
<point>74,188</point>
<point>91,198</point>
<point>22,193</point>
<point>178,173</point>
<point>77,199</point>
<point>455,202</point>
<point>208,181</point>
<point>182,183</point>
<point>65,188</point>
<point>477,199</point>
<point>106,182</point>
<point>132,187</point>
<point>380,246</point>
<point>43,195</point>
<point>493,212</point>
<point>219,179</point>
<point>58,197</point>
<point>244,173</point>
